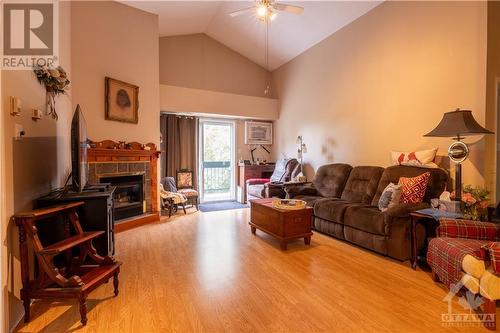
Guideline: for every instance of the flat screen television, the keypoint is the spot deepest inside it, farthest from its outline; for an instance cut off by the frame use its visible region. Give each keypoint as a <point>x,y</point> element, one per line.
<point>79,140</point>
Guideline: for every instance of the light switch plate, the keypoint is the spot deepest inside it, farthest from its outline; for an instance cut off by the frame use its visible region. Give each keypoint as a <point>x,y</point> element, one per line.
<point>37,114</point>
<point>15,106</point>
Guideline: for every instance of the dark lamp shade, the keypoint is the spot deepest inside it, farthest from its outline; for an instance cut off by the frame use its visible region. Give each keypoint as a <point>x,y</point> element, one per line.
<point>457,123</point>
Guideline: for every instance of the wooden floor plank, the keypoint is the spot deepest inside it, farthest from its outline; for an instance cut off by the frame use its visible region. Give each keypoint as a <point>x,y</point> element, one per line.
<point>205,272</point>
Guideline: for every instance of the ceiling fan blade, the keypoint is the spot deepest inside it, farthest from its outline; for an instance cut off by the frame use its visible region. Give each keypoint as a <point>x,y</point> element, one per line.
<point>288,8</point>
<point>241,11</point>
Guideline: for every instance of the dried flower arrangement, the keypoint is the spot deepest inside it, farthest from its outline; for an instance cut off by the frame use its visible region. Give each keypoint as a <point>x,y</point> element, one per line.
<point>474,204</point>
<point>55,81</point>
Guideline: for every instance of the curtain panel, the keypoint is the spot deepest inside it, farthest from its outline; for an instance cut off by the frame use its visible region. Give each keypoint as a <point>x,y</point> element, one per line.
<point>180,145</point>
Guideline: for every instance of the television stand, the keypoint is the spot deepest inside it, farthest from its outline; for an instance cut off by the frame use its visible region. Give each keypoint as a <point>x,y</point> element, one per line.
<point>97,214</point>
<point>97,187</point>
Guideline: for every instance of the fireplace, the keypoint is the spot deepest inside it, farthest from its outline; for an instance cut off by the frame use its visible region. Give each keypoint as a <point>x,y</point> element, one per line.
<point>129,194</point>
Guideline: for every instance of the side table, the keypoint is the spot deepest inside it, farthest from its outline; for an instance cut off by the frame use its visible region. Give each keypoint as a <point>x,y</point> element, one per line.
<point>288,185</point>
<point>416,218</point>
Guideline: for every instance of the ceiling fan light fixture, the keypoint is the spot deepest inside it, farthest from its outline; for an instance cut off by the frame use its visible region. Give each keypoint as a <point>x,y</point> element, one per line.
<point>262,11</point>
<point>272,16</point>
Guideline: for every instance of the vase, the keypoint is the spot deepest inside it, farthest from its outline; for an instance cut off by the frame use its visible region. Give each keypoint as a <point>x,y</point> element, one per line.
<point>50,100</point>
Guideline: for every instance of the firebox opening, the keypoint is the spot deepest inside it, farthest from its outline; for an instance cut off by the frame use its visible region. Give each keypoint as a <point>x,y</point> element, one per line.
<point>129,194</point>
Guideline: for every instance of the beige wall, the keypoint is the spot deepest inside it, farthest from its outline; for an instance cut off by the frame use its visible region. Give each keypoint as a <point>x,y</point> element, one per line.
<point>111,39</point>
<point>492,103</point>
<point>384,81</point>
<point>31,166</point>
<point>200,62</point>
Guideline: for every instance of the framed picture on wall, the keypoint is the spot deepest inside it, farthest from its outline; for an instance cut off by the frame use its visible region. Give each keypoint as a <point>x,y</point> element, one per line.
<point>258,133</point>
<point>121,101</point>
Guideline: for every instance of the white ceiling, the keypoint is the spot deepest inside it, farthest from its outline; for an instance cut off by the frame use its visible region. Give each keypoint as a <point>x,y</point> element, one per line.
<point>289,34</point>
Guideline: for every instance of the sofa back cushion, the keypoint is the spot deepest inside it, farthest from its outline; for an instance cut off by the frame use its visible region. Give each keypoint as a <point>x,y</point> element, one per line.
<point>330,179</point>
<point>362,184</point>
<point>436,185</point>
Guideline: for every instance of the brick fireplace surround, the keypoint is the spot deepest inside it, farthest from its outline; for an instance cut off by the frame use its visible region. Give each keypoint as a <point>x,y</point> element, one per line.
<point>109,158</point>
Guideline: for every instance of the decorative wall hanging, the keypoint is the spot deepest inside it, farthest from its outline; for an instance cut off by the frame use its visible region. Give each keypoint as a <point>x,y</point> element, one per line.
<point>258,133</point>
<point>55,81</point>
<point>122,101</point>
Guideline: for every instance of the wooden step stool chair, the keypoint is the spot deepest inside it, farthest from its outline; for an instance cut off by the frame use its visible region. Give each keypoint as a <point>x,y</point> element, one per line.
<point>77,278</point>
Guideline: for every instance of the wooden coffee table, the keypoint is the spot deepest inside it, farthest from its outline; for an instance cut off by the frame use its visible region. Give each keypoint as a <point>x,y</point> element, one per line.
<point>284,225</point>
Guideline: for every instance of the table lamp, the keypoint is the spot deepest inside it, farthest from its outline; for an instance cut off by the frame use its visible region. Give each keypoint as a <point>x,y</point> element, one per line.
<point>301,150</point>
<point>453,125</point>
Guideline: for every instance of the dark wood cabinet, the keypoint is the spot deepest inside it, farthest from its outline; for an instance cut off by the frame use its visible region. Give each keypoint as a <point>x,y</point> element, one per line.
<point>246,172</point>
<point>95,215</point>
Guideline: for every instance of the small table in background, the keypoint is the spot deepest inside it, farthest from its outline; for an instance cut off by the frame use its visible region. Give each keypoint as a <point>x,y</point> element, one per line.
<point>430,218</point>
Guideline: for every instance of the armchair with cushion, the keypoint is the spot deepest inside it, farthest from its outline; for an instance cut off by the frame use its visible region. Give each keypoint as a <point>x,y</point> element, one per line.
<point>285,170</point>
<point>465,254</point>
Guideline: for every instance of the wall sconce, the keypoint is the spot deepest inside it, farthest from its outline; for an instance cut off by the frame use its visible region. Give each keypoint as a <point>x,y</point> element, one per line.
<point>301,150</point>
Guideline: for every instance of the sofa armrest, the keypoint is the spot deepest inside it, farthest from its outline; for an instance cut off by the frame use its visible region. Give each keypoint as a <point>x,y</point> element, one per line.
<point>404,209</point>
<point>294,190</point>
<point>457,228</point>
<point>257,181</point>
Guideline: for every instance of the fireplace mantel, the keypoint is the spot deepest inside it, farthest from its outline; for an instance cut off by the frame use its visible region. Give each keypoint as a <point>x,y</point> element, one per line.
<point>110,153</point>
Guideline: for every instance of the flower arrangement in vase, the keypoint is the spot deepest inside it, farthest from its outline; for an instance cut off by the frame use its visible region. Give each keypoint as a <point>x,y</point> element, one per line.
<point>474,203</point>
<point>55,81</point>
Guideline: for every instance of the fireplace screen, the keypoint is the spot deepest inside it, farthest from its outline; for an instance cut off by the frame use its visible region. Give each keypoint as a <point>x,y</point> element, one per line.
<point>128,196</point>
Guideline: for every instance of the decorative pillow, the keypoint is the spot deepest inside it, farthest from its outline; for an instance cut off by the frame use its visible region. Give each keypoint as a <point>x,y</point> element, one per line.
<point>390,197</point>
<point>413,189</point>
<point>422,158</point>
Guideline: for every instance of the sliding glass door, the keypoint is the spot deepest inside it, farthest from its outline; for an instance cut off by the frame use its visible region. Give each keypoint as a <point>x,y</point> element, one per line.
<point>217,161</point>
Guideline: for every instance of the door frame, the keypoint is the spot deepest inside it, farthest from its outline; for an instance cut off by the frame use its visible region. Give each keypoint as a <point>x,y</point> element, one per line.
<point>232,123</point>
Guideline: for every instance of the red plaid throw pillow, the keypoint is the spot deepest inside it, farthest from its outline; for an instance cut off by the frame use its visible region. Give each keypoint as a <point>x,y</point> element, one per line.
<point>413,189</point>
<point>494,252</point>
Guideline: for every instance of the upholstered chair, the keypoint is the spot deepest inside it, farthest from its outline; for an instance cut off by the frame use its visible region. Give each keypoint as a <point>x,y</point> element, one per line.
<point>284,171</point>
<point>466,254</point>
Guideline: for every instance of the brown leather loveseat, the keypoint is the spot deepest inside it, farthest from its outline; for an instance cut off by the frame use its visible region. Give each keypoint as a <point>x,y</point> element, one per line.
<point>345,201</point>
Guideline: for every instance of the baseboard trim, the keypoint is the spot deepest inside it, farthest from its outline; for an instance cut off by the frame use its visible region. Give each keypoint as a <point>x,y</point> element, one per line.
<point>136,221</point>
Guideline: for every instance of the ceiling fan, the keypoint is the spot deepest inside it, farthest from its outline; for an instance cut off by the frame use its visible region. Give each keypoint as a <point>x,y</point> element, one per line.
<point>268,9</point>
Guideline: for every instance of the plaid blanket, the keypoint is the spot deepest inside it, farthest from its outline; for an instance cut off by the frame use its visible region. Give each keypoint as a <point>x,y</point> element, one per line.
<point>456,239</point>
<point>456,228</point>
<point>445,256</point>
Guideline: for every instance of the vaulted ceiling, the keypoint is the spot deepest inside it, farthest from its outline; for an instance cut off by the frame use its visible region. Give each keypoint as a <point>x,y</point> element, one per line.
<point>289,34</point>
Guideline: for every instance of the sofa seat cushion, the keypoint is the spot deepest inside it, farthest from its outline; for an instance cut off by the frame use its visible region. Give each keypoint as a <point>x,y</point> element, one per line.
<point>368,218</point>
<point>188,192</point>
<point>332,209</point>
<point>256,191</point>
<point>489,285</point>
<point>473,266</point>
<point>309,199</point>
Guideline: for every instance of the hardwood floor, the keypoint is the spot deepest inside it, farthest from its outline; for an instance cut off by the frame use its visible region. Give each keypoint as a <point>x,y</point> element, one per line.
<point>207,272</point>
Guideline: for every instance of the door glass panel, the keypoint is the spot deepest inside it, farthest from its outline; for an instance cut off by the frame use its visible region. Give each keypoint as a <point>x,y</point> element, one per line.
<point>217,161</point>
